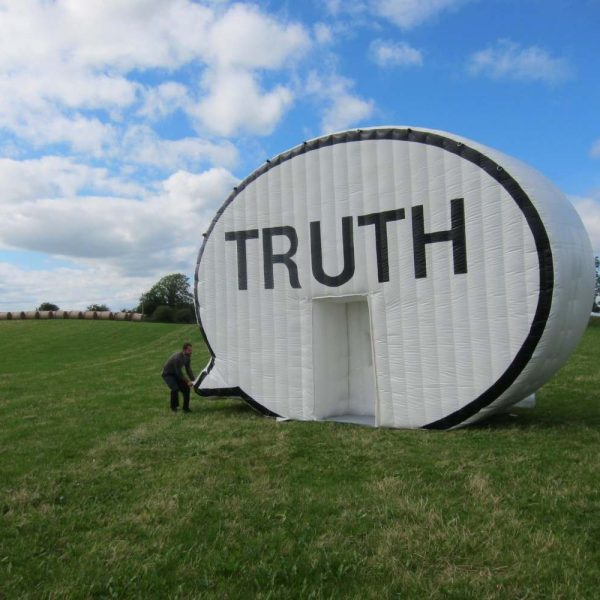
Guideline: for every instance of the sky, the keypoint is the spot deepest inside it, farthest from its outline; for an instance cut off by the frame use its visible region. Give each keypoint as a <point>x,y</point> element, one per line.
<point>125,124</point>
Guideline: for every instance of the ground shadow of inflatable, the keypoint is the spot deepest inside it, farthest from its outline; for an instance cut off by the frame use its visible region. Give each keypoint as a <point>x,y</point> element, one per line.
<point>523,419</point>
<point>530,421</point>
<point>229,406</point>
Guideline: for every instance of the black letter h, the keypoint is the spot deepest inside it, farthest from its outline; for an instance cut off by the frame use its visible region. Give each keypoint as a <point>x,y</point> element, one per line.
<point>456,235</point>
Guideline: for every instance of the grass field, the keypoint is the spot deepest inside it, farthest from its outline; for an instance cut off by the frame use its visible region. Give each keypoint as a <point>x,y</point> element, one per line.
<point>104,493</point>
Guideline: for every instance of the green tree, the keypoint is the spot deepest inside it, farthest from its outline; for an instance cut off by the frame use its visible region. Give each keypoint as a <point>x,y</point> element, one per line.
<point>47,306</point>
<point>98,307</point>
<point>172,290</point>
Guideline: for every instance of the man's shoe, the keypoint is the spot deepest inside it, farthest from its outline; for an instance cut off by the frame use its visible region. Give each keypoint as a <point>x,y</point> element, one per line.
<point>174,408</point>
<point>187,410</point>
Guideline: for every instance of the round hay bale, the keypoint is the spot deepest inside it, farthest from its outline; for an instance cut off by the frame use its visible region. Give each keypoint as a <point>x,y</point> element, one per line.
<point>31,314</point>
<point>90,314</point>
<point>136,316</point>
<point>5,316</point>
<point>103,315</point>
<point>120,316</point>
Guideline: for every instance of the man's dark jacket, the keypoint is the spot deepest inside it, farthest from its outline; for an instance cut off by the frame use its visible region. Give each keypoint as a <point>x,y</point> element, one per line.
<point>175,365</point>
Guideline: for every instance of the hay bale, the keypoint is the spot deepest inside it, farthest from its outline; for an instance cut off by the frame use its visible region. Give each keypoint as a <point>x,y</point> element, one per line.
<point>5,316</point>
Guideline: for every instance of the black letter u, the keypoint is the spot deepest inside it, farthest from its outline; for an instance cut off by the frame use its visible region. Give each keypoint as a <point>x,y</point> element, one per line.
<point>317,254</point>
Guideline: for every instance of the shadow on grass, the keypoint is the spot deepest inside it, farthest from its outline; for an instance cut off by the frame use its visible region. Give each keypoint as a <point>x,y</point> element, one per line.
<point>522,419</point>
<point>546,419</point>
<point>232,406</point>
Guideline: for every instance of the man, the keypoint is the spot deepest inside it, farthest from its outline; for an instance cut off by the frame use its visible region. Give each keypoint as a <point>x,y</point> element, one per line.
<point>176,379</point>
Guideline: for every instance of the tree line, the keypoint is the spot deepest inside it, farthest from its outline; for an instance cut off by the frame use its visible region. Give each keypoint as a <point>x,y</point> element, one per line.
<point>169,300</point>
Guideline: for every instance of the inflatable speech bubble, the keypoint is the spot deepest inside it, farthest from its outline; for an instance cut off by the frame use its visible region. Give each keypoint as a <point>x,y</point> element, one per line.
<point>392,276</point>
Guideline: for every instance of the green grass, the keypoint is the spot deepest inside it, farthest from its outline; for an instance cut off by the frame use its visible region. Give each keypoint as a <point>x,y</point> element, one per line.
<point>104,493</point>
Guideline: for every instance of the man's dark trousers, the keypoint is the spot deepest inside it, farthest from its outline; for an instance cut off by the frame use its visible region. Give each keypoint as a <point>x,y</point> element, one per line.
<point>178,385</point>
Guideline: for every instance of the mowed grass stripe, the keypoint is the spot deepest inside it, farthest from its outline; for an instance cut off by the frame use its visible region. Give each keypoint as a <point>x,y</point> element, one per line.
<point>105,493</point>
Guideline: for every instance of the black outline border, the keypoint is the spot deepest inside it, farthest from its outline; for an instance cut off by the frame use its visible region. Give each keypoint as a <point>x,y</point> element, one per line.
<point>494,170</point>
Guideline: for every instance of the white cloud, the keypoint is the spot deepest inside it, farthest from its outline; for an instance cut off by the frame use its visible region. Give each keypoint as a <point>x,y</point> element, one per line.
<point>71,288</point>
<point>346,110</point>
<point>131,235</point>
<point>323,33</point>
<point>236,104</point>
<point>509,60</point>
<point>337,7</point>
<point>343,108</point>
<point>595,151</point>
<point>234,100</point>
<point>85,135</point>
<point>405,14</point>
<point>164,99</point>
<point>56,176</point>
<point>410,13</point>
<point>143,146</point>
<point>388,54</point>
<point>259,41</point>
<point>589,211</point>
<point>60,60</point>
<point>105,33</point>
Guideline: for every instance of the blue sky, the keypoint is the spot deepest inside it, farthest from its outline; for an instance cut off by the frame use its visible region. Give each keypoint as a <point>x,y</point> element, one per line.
<point>125,124</point>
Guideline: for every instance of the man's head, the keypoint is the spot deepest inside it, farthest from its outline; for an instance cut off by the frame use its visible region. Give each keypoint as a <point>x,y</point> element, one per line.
<point>187,348</point>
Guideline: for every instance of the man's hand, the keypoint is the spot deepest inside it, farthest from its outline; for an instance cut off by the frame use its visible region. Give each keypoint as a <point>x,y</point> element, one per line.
<point>190,383</point>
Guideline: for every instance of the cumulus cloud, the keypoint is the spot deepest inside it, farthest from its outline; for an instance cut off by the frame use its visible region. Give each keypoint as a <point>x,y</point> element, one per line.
<point>144,147</point>
<point>56,176</point>
<point>509,60</point>
<point>389,54</point>
<point>589,211</point>
<point>343,108</point>
<point>51,75</point>
<point>123,36</point>
<point>595,151</point>
<point>101,227</point>
<point>129,236</point>
<point>236,104</point>
<point>72,82</point>
<point>164,99</point>
<point>337,7</point>
<point>405,14</point>
<point>234,100</point>
<point>323,33</point>
<point>261,42</point>
<point>410,13</point>
<point>71,288</point>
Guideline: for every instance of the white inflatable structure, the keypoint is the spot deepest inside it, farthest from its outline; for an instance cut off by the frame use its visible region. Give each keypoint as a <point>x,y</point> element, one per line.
<point>394,277</point>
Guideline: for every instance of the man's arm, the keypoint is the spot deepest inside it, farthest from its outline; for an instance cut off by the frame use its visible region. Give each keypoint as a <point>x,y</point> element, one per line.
<point>188,367</point>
